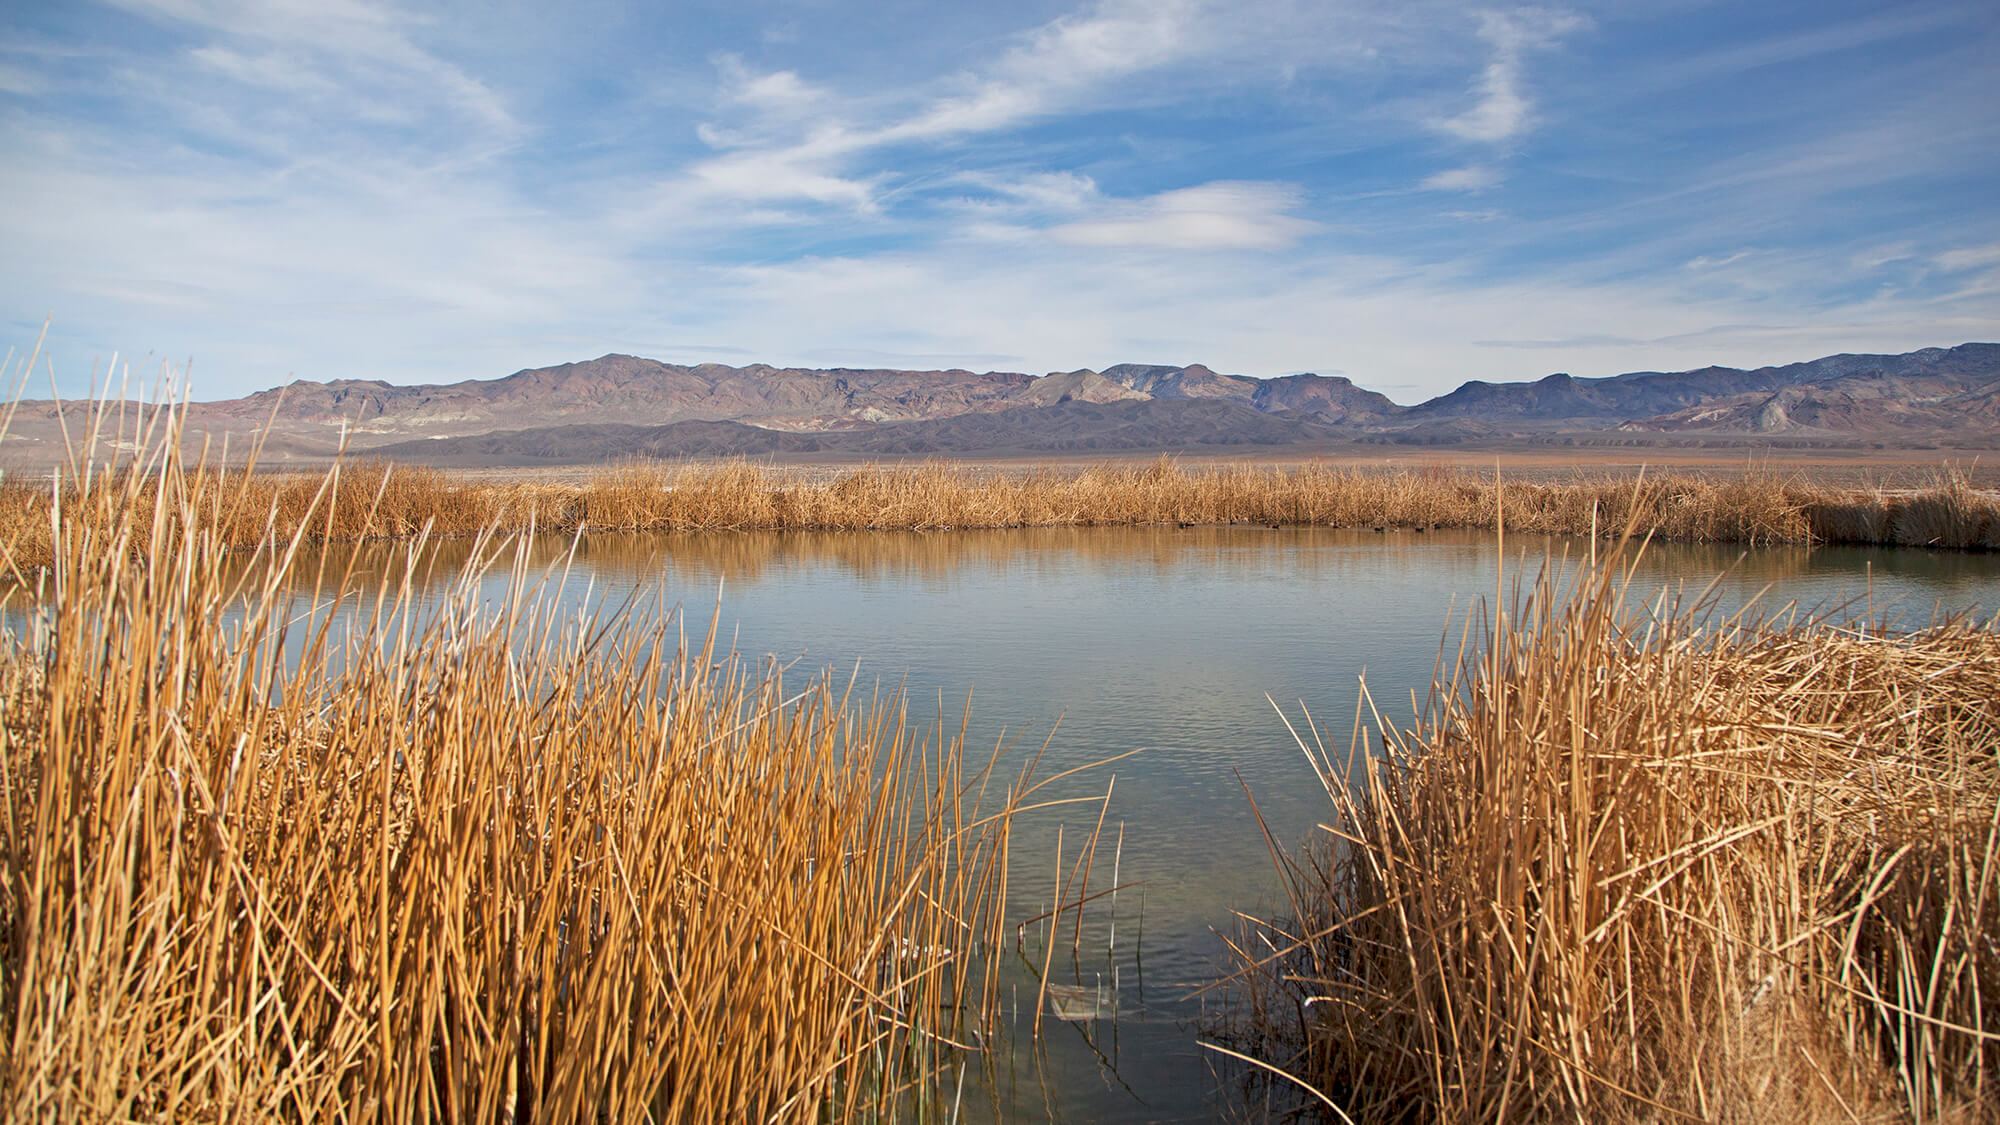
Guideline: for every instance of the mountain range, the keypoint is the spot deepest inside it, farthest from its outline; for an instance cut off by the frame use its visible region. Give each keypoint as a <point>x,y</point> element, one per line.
<point>620,406</point>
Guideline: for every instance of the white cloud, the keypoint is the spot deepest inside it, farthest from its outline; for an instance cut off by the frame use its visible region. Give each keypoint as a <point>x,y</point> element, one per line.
<point>780,92</point>
<point>271,70</point>
<point>1059,59</point>
<point>1386,321</point>
<point>460,283</point>
<point>1707,262</point>
<point>1217,216</point>
<point>1504,109</point>
<point>1727,60</point>
<point>1473,177</point>
<point>1883,255</point>
<point>1038,193</point>
<point>274,227</point>
<point>351,272</point>
<point>1054,65</point>
<point>780,89</point>
<point>353,49</point>
<point>799,172</point>
<point>1970,257</point>
<point>14,80</point>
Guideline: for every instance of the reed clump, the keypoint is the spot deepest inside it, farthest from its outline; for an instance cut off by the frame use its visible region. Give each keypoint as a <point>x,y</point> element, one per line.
<point>1755,508</point>
<point>243,508</point>
<point>1948,513</point>
<point>383,857</point>
<point>1634,865</point>
<point>383,501</point>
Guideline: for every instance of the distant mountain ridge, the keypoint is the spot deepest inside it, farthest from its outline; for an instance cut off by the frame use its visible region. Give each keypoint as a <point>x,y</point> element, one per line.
<point>1930,378</point>
<point>1067,428</point>
<point>620,406</point>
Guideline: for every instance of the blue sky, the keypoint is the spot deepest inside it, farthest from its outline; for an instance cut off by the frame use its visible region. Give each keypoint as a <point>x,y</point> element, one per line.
<point>1411,193</point>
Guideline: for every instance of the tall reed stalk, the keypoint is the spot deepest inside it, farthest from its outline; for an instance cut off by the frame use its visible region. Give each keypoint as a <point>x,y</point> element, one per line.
<point>386,858</point>
<point>1636,864</point>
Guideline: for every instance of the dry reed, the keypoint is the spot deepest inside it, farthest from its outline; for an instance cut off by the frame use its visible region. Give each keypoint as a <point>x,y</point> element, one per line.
<point>383,501</point>
<point>1633,864</point>
<point>391,858</point>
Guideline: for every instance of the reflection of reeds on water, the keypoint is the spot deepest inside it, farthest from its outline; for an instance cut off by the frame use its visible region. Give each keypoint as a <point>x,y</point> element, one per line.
<point>384,501</point>
<point>690,566</point>
<point>507,865</point>
<point>1632,865</point>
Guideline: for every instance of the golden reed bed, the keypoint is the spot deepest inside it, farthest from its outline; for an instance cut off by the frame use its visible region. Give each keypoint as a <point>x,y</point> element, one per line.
<point>376,500</point>
<point>1636,865</point>
<point>390,857</point>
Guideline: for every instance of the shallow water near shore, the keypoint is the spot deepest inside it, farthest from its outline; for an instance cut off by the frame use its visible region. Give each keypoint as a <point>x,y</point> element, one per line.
<point>1167,641</point>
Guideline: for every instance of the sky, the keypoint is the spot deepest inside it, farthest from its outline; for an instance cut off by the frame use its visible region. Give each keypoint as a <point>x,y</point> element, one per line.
<point>1411,193</point>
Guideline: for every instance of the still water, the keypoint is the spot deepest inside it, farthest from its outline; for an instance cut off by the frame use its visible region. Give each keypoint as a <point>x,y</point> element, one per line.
<point>1100,641</point>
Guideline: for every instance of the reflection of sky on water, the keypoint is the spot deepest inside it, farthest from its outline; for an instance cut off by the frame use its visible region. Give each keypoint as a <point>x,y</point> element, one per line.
<point>1166,639</point>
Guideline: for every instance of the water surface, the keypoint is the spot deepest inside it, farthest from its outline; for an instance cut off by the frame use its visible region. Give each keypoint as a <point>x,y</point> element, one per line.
<point>1096,642</point>
<point>1168,641</point>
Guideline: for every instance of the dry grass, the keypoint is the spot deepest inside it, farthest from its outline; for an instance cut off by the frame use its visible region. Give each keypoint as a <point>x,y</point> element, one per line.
<point>391,858</point>
<point>934,496</point>
<point>382,501</point>
<point>1628,866</point>
<point>1949,513</point>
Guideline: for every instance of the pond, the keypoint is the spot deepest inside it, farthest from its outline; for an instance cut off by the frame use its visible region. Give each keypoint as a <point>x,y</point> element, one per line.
<point>1167,641</point>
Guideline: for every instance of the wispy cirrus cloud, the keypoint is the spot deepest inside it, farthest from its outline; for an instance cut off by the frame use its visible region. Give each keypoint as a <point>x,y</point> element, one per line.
<point>1504,108</point>
<point>1472,177</point>
<point>1710,262</point>
<point>1969,257</point>
<point>804,171</point>
<point>350,56</point>
<point>1218,216</point>
<point>1058,62</point>
<point>1035,193</point>
<point>1872,31</point>
<point>786,154</point>
<point>779,92</point>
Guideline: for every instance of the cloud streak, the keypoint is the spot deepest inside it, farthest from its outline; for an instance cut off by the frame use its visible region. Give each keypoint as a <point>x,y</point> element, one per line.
<point>1970,257</point>
<point>359,52</point>
<point>1472,177</point>
<point>1218,216</point>
<point>1059,61</point>
<point>1503,108</point>
<point>1054,65</point>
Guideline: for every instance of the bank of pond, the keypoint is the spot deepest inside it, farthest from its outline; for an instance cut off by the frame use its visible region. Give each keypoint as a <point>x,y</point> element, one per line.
<point>379,500</point>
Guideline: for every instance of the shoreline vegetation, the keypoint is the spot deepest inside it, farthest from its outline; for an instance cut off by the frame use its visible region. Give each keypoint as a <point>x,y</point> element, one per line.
<point>1633,863</point>
<point>383,856</point>
<point>377,500</point>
